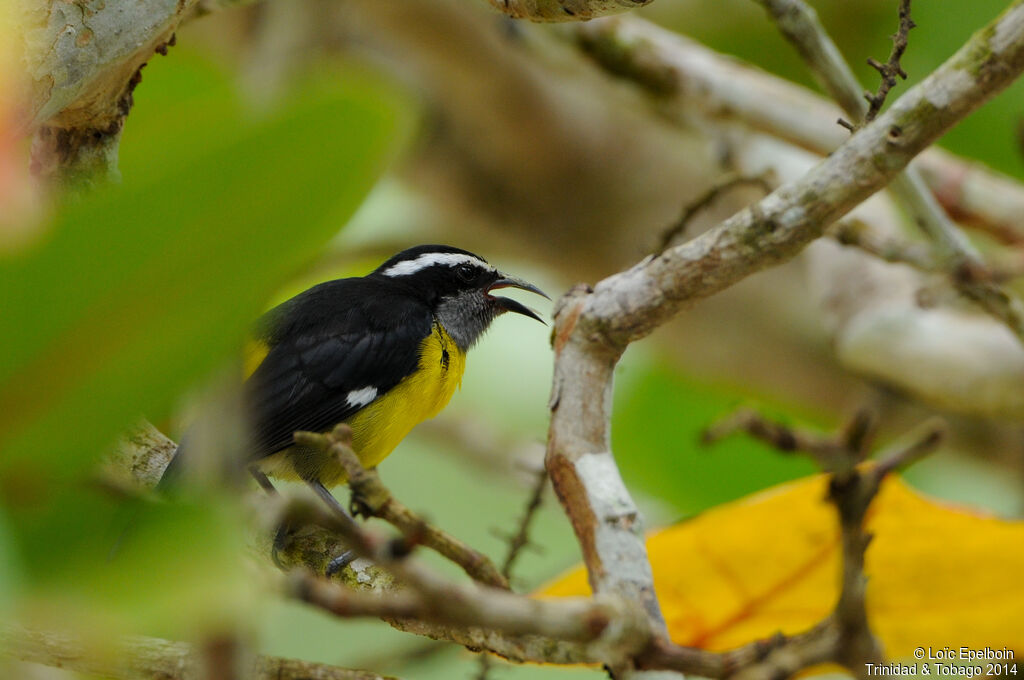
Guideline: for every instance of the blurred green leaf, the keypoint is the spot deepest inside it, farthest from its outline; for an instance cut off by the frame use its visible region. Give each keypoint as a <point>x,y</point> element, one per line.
<point>141,289</point>
<point>146,286</point>
<point>656,426</point>
<point>10,570</point>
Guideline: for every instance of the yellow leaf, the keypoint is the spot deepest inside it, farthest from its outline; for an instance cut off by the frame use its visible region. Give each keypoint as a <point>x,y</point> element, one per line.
<point>937,575</point>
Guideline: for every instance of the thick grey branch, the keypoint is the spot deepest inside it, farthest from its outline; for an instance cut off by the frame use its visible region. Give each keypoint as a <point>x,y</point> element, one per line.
<point>84,60</point>
<point>629,305</point>
<point>801,27</point>
<point>689,78</point>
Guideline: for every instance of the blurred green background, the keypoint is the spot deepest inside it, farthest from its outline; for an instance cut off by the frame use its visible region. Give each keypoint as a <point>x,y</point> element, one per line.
<point>230,203</point>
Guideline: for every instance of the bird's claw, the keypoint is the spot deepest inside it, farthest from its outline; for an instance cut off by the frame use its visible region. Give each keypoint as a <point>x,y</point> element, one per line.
<point>281,539</point>
<point>340,562</point>
<point>358,507</point>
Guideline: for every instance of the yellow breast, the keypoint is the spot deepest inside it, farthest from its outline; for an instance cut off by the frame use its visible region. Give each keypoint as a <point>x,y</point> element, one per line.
<point>378,428</point>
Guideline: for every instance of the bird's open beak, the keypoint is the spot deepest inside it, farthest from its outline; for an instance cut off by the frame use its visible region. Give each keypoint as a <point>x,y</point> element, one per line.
<point>510,305</point>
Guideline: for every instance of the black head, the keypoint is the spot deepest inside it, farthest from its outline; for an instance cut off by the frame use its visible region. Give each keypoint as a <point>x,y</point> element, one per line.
<point>457,285</point>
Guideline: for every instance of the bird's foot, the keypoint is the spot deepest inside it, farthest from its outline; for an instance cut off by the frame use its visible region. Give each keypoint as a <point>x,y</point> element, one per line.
<point>340,562</point>
<point>358,507</point>
<point>281,540</point>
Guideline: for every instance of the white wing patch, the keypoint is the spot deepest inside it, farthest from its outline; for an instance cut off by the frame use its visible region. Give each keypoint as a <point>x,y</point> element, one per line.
<point>361,397</point>
<point>429,259</point>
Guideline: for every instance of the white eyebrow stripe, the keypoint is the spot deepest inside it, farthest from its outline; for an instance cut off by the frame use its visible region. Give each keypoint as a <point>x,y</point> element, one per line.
<point>429,259</point>
<point>361,397</point>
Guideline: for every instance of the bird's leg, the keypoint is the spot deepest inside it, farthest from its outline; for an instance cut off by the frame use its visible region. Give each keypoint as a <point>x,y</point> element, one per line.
<point>262,480</point>
<point>328,498</point>
<point>285,528</point>
<point>345,558</point>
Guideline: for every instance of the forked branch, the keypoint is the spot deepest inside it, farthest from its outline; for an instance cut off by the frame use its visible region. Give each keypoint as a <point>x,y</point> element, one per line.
<point>891,68</point>
<point>845,636</point>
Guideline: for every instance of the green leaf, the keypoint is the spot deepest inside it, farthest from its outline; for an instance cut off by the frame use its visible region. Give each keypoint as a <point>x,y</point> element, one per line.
<point>146,286</point>
<point>141,289</point>
<point>10,569</point>
<point>656,426</point>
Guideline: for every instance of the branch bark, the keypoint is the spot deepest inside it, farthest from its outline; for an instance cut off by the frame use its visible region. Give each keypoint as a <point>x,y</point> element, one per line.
<point>564,10</point>
<point>145,658</point>
<point>85,59</point>
<point>594,326</point>
<point>800,25</point>
<point>945,356</point>
<point>690,79</point>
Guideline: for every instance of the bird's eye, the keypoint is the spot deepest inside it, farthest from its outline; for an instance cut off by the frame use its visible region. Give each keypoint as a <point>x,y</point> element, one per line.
<point>465,272</point>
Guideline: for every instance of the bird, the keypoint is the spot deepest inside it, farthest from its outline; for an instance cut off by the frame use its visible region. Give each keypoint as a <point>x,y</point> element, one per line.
<point>381,353</point>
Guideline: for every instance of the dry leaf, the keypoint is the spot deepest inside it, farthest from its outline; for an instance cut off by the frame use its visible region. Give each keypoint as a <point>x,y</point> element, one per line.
<point>938,575</point>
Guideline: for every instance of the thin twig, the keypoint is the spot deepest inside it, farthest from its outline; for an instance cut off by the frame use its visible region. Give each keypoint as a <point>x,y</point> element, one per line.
<point>830,451</point>
<point>891,68</point>
<point>919,443</point>
<point>378,501</point>
<point>703,201</point>
<point>521,538</point>
<point>857,233</point>
<point>516,542</point>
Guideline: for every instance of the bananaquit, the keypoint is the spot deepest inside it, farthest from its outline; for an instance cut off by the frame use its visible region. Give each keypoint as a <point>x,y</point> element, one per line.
<point>381,353</point>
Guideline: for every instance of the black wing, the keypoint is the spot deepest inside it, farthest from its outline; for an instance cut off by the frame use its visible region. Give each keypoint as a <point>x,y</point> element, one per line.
<point>324,344</point>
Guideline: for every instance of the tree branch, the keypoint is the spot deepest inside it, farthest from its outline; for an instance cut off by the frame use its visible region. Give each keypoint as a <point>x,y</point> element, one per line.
<point>800,25</point>
<point>854,232</point>
<point>688,78</point>
<point>448,610</point>
<point>480,617</point>
<point>946,356</point>
<point>629,305</point>
<point>564,10</point>
<point>85,59</point>
<point>144,658</point>
<point>594,326</point>
<point>891,68</point>
<point>706,199</point>
<point>844,637</point>
<point>431,600</point>
<point>378,501</point>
